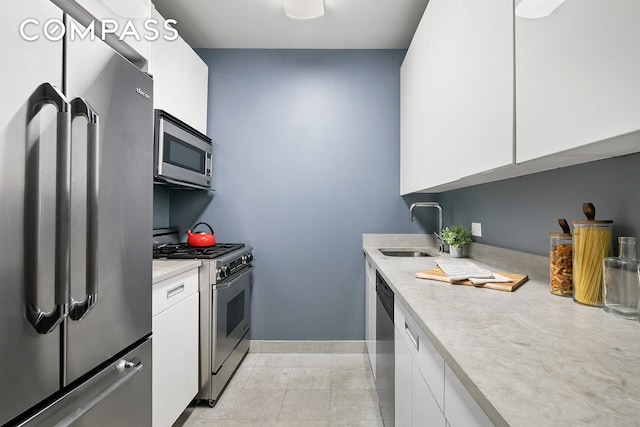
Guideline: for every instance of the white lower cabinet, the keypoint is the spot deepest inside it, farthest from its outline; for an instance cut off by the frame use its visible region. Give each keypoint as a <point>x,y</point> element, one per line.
<point>403,382</point>
<point>370,312</point>
<point>426,411</point>
<point>427,391</point>
<point>419,376</point>
<point>175,346</point>
<point>460,407</point>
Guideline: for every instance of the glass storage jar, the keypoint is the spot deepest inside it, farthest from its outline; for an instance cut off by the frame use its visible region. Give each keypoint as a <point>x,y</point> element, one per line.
<point>591,245</point>
<point>561,264</point>
<point>621,281</point>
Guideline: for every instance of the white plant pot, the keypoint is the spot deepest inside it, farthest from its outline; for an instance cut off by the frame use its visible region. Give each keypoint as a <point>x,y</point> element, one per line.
<point>456,252</point>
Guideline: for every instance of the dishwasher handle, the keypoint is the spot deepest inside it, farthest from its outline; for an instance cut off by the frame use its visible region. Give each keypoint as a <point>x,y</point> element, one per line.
<point>385,294</point>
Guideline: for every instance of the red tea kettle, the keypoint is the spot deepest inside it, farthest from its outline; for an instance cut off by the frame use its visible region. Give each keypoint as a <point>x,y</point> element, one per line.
<point>201,239</point>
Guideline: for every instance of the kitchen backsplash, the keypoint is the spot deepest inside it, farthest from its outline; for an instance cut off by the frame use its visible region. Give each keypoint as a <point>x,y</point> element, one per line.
<point>519,213</point>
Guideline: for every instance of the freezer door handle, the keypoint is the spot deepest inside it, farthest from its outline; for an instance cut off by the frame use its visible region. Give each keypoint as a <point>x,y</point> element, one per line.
<point>125,369</point>
<point>45,322</point>
<point>81,108</point>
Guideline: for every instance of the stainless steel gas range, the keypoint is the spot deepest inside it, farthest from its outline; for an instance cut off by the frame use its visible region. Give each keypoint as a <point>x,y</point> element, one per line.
<point>225,296</point>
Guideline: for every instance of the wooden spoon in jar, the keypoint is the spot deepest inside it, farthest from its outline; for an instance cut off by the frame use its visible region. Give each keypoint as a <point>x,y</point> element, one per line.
<point>589,211</point>
<point>564,225</point>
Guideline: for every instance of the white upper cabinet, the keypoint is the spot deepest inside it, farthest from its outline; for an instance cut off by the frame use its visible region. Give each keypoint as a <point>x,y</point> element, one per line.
<point>482,117</point>
<point>577,80</point>
<point>457,93</point>
<point>125,18</point>
<point>180,78</point>
<point>426,103</point>
<point>196,77</point>
<point>490,92</point>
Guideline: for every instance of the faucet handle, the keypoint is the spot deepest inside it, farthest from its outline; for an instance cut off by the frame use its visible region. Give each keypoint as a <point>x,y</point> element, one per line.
<point>441,242</point>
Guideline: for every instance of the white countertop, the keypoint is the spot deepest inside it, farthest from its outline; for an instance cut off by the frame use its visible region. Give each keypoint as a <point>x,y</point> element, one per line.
<point>528,357</point>
<point>166,269</point>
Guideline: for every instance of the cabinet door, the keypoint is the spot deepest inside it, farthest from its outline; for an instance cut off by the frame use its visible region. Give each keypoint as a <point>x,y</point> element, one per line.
<point>577,79</point>
<point>426,101</point>
<point>370,314</point>
<point>175,360</point>
<point>166,64</point>
<point>461,409</point>
<point>482,114</point>
<point>413,108</point>
<point>428,360</point>
<point>457,93</point>
<point>426,411</point>
<point>181,79</point>
<point>196,78</point>
<point>403,382</point>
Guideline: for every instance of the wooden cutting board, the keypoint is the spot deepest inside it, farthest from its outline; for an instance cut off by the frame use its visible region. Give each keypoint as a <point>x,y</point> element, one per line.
<point>437,274</point>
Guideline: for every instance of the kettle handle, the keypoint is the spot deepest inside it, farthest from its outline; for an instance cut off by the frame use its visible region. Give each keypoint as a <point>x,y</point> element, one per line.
<point>202,223</point>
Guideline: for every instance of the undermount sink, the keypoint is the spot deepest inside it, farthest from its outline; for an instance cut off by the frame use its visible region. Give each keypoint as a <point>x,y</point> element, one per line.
<point>403,252</point>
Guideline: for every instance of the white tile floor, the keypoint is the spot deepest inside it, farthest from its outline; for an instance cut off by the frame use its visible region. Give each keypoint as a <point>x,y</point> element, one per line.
<point>294,390</point>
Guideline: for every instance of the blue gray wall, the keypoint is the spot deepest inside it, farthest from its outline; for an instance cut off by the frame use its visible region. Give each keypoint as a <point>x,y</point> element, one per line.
<point>306,160</point>
<point>519,213</point>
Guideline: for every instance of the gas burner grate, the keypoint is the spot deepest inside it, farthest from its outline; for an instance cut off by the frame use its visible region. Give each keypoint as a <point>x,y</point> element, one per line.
<point>184,251</point>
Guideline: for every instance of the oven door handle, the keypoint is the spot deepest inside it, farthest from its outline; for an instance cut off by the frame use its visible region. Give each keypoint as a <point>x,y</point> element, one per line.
<point>230,283</point>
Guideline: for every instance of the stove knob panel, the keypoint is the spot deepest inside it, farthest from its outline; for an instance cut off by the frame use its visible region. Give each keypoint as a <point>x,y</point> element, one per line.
<point>224,271</point>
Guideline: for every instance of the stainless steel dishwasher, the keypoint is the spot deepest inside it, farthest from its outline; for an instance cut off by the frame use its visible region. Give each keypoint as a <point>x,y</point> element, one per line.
<point>385,360</point>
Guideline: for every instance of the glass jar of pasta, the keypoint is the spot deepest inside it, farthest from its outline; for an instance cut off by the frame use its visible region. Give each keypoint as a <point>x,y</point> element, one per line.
<point>591,245</point>
<point>561,264</point>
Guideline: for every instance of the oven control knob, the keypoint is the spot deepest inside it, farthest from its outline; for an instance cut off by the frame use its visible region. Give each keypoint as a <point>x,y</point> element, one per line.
<point>224,271</point>
<point>247,258</point>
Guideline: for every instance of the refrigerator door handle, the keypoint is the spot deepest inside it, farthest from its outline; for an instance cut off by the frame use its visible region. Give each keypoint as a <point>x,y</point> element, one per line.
<point>45,322</point>
<point>81,108</point>
<point>125,369</point>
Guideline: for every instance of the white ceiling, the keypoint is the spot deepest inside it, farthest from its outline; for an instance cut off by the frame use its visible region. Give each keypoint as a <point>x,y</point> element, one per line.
<point>262,24</point>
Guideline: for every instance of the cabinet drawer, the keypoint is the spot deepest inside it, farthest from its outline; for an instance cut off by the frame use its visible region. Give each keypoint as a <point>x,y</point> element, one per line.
<point>461,408</point>
<point>370,269</point>
<point>171,291</point>
<point>425,409</point>
<point>429,361</point>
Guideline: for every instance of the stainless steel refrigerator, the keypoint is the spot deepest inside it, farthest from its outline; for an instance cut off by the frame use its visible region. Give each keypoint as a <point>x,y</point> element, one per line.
<point>76,135</point>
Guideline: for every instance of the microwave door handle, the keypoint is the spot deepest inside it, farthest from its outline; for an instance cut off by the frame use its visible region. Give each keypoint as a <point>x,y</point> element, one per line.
<point>45,322</point>
<point>81,108</point>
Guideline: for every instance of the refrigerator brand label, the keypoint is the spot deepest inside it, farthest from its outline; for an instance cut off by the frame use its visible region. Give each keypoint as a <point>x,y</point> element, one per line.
<point>143,93</point>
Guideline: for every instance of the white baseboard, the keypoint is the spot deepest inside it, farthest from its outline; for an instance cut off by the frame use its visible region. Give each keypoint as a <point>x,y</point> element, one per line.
<point>281,346</point>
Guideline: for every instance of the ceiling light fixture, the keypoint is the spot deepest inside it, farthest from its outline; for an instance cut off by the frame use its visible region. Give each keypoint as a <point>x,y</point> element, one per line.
<point>304,9</point>
<point>534,9</point>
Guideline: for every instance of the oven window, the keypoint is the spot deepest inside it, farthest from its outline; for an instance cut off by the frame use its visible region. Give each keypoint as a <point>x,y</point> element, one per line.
<point>179,153</point>
<point>235,312</point>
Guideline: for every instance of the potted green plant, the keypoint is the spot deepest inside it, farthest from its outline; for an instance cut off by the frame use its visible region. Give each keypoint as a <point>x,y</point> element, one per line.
<point>456,236</point>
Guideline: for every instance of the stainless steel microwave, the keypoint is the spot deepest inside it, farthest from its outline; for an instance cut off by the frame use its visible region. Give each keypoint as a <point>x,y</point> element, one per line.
<point>182,154</point>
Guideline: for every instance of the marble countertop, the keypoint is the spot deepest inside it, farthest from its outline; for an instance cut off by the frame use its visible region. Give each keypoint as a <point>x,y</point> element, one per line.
<point>166,269</point>
<point>529,358</point>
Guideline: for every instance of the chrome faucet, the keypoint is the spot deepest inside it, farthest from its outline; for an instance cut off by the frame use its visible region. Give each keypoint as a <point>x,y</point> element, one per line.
<point>431,205</point>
